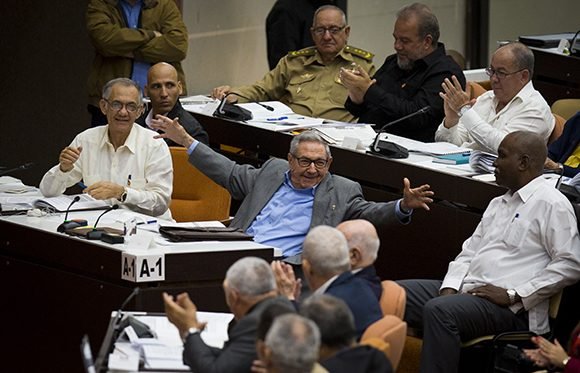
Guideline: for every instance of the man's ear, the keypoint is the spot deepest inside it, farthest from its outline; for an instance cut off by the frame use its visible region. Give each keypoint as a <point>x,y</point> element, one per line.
<point>524,162</point>
<point>355,256</point>
<point>428,41</point>
<point>103,106</point>
<point>180,87</point>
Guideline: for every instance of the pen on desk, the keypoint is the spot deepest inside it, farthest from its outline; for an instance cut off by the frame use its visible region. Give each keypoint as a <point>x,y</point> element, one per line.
<point>515,217</point>
<point>81,185</point>
<point>129,180</point>
<point>276,119</point>
<point>147,222</point>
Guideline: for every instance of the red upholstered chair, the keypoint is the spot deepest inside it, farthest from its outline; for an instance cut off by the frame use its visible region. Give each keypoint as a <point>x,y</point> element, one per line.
<point>391,330</point>
<point>393,299</point>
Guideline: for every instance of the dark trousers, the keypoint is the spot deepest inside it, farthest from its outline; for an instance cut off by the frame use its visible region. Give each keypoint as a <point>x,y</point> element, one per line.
<point>446,321</point>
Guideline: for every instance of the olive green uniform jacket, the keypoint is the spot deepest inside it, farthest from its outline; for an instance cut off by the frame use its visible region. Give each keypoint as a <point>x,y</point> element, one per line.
<point>115,43</point>
<point>309,87</point>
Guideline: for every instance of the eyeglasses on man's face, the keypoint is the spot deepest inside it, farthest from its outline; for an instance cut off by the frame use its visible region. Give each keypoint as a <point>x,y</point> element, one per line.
<point>117,106</point>
<point>490,71</point>
<point>306,162</point>
<point>334,30</point>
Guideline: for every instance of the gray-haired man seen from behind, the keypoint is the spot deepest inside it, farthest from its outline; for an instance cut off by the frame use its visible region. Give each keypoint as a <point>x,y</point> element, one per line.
<point>291,345</point>
<point>249,288</point>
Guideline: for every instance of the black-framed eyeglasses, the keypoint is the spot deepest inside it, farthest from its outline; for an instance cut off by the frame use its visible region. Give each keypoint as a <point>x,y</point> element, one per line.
<point>306,162</point>
<point>334,30</point>
<point>499,74</point>
<point>117,106</point>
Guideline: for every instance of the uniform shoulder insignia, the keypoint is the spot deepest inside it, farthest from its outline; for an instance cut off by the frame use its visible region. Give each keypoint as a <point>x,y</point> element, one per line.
<point>310,51</point>
<point>359,52</point>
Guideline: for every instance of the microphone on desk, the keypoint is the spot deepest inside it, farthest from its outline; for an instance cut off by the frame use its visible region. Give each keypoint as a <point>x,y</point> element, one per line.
<point>267,107</point>
<point>141,329</point>
<point>390,149</point>
<point>24,166</point>
<point>231,111</point>
<point>70,224</point>
<point>96,234</point>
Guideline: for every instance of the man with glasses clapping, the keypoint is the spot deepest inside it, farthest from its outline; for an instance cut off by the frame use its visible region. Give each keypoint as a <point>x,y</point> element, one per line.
<point>513,104</point>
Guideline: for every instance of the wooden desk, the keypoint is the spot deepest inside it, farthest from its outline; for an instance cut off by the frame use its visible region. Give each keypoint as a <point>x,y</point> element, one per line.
<point>421,249</point>
<point>556,76</point>
<point>55,289</point>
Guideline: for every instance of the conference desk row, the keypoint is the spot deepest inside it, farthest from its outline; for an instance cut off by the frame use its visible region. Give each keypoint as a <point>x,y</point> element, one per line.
<point>56,288</point>
<point>420,249</point>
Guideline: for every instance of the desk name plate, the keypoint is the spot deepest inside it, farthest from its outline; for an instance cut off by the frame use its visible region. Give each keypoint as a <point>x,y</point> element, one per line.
<point>142,268</point>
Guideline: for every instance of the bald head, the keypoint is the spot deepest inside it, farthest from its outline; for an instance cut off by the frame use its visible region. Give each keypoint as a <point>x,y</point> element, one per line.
<point>521,157</point>
<point>163,87</point>
<point>363,242</point>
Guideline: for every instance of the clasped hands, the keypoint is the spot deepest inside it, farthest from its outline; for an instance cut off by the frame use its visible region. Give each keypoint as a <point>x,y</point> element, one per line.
<point>454,98</point>
<point>357,81</point>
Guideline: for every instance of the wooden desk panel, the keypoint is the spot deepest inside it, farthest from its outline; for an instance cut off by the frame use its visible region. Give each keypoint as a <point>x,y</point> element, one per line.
<point>56,289</point>
<point>556,76</point>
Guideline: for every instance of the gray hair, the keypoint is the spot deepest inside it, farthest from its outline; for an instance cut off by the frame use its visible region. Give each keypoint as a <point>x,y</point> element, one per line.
<point>333,318</point>
<point>125,82</point>
<point>251,276</point>
<point>523,56</point>
<point>294,342</point>
<point>427,21</point>
<point>308,136</point>
<point>329,7</point>
<point>326,250</point>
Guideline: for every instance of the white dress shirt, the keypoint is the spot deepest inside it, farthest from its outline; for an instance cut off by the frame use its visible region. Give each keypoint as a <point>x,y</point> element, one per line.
<point>527,241</point>
<point>142,165</point>
<point>481,128</point>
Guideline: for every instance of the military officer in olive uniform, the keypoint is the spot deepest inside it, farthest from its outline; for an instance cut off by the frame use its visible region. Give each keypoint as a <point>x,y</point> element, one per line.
<point>308,80</point>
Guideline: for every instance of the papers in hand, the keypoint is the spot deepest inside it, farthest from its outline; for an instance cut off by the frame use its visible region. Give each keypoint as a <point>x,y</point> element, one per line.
<point>62,203</point>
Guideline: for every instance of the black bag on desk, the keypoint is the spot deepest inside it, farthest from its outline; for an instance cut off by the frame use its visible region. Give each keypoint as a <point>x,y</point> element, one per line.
<point>182,234</point>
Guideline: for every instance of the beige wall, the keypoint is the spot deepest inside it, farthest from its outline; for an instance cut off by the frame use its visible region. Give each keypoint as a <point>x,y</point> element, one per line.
<point>227,43</point>
<point>512,18</point>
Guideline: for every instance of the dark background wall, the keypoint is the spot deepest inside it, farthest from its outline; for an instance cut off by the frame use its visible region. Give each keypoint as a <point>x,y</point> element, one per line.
<point>45,55</point>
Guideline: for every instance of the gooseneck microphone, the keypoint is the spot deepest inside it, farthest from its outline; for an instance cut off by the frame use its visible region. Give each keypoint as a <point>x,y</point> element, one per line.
<point>390,149</point>
<point>25,166</point>
<point>231,111</point>
<point>96,234</point>
<point>70,224</point>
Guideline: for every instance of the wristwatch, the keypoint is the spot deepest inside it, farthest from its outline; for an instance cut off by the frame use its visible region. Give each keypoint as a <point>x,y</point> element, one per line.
<point>190,331</point>
<point>124,195</point>
<point>512,296</point>
<point>565,361</point>
<point>463,109</point>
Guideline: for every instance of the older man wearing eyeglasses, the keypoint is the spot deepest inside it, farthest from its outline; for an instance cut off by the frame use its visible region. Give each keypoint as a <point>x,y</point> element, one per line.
<point>512,105</point>
<point>121,162</point>
<point>308,80</point>
<point>282,200</point>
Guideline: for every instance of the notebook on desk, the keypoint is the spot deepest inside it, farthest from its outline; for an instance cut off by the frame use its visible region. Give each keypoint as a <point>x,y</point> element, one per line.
<point>62,203</point>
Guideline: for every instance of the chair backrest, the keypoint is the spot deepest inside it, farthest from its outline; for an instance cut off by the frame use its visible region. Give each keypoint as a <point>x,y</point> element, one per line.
<point>476,89</point>
<point>566,107</point>
<point>393,299</point>
<point>558,128</point>
<point>393,331</point>
<point>195,197</point>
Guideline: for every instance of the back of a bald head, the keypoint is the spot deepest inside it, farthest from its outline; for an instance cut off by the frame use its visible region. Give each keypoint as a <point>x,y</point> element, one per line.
<point>361,234</point>
<point>530,144</point>
<point>326,250</point>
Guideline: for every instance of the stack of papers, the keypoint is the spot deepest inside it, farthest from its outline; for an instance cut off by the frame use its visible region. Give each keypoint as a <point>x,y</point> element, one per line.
<point>482,161</point>
<point>429,148</point>
<point>336,133</point>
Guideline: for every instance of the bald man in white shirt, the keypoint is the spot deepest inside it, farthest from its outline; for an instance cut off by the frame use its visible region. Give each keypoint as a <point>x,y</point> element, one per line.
<point>524,250</point>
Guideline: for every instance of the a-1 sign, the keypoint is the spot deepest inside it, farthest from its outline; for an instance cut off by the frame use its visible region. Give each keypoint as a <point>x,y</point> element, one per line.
<point>142,268</point>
